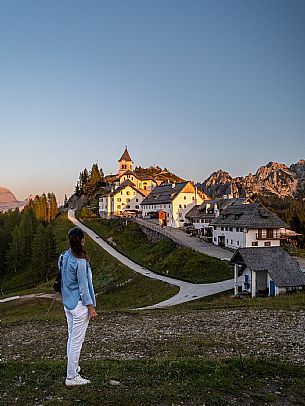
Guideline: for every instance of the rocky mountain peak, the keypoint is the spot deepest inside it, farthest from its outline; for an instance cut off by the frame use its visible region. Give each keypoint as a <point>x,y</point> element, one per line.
<point>275,178</point>
<point>6,196</point>
<point>8,200</point>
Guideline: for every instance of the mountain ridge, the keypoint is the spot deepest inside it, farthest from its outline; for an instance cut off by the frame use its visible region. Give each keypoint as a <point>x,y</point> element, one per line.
<point>273,178</point>
<point>8,200</point>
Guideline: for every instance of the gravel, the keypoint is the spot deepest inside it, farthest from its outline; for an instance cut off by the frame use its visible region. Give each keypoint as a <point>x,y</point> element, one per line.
<point>211,333</point>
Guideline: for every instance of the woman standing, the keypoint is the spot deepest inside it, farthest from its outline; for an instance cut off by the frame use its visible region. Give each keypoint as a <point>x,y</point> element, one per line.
<point>78,299</point>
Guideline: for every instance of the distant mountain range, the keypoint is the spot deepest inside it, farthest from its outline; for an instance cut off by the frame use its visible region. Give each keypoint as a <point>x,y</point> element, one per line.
<point>8,200</point>
<point>273,178</point>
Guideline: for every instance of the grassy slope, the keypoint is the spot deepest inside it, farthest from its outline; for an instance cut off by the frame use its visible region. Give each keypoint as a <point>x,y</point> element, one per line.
<point>156,382</point>
<point>162,257</point>
<point>116,285</point>
<point>188,380</point>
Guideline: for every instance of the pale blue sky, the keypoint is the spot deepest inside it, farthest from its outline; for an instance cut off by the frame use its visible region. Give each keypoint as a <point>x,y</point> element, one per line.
<point>192,85</point>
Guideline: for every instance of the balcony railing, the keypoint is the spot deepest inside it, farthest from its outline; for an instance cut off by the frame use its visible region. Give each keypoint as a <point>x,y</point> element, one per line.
<point>275,235</point>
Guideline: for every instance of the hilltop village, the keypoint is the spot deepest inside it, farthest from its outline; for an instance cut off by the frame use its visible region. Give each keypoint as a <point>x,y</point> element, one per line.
<point>242,225</point>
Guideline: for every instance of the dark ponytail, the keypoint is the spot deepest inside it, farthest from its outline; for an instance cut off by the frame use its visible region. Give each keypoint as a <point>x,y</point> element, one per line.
<point>76,236</point>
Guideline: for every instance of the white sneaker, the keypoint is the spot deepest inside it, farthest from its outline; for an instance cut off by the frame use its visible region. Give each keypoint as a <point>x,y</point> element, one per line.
<point>78,380</point>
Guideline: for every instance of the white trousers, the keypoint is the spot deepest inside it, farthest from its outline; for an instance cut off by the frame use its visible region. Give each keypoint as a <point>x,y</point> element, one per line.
<point>78,320</point>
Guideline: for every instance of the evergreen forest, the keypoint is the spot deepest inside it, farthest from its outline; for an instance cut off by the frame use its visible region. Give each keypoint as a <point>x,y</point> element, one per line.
<point>27,242</point>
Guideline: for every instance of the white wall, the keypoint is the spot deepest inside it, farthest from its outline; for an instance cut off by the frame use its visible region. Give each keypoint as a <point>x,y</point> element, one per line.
<point>117,203</point>
<point>237,239</point>
<point>157,207</point>
<point>251,237</point>
<point>233,239</point>
<point>187,201</point>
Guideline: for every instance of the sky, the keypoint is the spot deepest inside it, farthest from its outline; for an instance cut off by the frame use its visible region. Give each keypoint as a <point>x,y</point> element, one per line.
<point>195,86</point>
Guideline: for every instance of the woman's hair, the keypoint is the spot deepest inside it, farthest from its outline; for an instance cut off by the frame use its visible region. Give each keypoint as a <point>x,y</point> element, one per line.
<point>76,236</point>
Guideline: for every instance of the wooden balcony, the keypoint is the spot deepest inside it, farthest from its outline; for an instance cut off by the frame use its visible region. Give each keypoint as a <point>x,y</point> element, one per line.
<point>265,235</point>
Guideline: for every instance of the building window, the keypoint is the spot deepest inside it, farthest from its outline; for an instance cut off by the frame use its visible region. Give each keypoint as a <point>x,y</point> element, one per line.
<point>222,229</point>
<point>127,193</point>
<point>185,206</point>
<point>231,228</point>
<point>241,229</point>
<point>119,199</point>
<point>137,200</point>
<point>254,243</point>
<point>180,206</point>
<point>227,241</point>
<point>128,207</point>
<point>127,200</point>
<point>227,228</point>
<point>237,242</point>
<point>184,197</point>
<point>214,227</point>
<point>231,242</point>
<point>137,206</point>
<point>267,243</point>
<point>237,229</point>
<point>215,239</point>
<point>121,193</point>
<point>119,206</point>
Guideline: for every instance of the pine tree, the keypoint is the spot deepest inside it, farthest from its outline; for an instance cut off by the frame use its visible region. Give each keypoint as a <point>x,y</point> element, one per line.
<point>52,207</point>
<point>27,230</point>
<point>83,180</point>
<point>43,251</point>
<point>13,255</point>
<point>93,181</point>
<point>39,252</point>
<point>77,189</point>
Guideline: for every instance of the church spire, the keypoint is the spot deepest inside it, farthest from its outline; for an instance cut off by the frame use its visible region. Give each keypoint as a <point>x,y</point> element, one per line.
<point>125,162</point>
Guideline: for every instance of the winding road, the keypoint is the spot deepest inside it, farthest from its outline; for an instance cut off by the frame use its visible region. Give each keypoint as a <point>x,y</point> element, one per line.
<point>187,291</point>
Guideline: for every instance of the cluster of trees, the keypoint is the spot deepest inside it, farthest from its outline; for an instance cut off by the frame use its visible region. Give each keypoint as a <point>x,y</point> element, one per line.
<point>45,207</point>
<point>27,242</point>
<point>90,182</point>
<point>292,211</point>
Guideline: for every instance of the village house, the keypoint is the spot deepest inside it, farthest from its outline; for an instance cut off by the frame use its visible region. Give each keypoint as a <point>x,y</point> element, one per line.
<point>247,225</point>
<point>128,190</point>
<point>124,199</point>
<point>201,216</point>
<point>265,271</point>
<point>168,203</point>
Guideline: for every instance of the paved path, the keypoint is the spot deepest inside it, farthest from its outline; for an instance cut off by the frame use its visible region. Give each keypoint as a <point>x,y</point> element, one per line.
<point>43,295</point>
<point>181,238</point>
<point>187,292</point>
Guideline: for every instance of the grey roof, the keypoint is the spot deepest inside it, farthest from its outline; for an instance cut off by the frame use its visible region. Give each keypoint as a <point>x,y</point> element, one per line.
<point>199,211</point>
<point>194,212</point>
<point>283,269</point>
<point>164,193</point>
<point>125,156</point>
<point>138,175</point>
<point>223,203</point>
<point>249,215</point>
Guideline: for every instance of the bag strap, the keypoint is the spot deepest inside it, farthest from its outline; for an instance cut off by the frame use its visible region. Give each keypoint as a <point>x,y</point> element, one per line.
<point>61,260</point>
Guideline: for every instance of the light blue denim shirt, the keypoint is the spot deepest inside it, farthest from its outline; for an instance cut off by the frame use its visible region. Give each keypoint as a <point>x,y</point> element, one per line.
<point>76,283</point>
